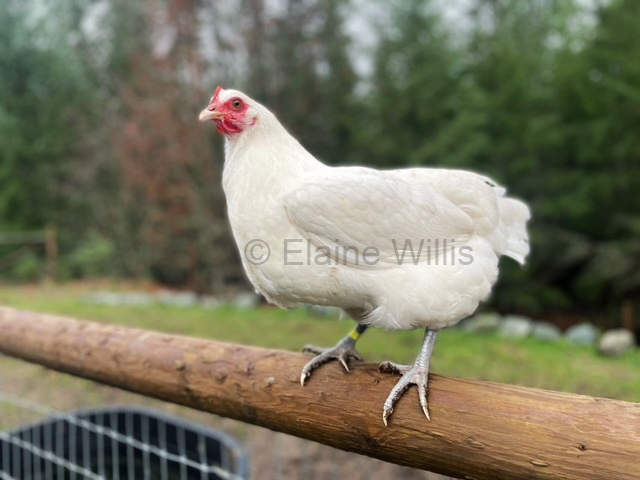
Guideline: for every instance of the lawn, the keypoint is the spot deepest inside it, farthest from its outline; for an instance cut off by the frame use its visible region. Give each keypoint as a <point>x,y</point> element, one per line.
<point>529,362</point>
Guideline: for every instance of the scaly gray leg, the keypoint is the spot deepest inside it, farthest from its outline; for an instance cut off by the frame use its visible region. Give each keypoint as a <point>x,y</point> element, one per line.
<point>416,374</point>
<point>343,352</point>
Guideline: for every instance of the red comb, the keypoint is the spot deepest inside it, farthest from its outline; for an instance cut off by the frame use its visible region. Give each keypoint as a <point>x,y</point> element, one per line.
<point>215,95</point>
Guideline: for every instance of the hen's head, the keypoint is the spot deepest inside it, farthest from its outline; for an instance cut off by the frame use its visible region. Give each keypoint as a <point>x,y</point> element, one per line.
<point>232,111</point>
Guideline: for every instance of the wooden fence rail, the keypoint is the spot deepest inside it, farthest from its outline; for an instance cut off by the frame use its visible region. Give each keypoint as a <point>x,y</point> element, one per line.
<point>47,237</point>
<point>480,430</point>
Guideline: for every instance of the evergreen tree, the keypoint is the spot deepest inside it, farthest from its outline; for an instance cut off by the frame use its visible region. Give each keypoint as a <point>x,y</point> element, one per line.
<point>299,66</point>
<point>602,107</point>
<point>43,94</point>
<point>413,102</point>
<point>512,65</point>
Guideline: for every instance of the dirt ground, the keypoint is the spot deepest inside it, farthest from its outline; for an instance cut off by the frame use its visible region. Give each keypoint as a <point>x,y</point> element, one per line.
<point>273,455</point>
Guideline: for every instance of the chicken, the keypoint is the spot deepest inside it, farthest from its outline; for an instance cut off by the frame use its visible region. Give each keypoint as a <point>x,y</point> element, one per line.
<point>398,249</point>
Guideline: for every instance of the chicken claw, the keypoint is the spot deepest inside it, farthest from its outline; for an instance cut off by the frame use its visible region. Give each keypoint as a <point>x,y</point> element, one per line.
<point>344,351</point>
<point>411,375</point>
<point>416,374</point>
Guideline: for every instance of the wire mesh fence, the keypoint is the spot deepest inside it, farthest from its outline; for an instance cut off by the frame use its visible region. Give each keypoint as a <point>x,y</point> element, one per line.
<point>119,442</point>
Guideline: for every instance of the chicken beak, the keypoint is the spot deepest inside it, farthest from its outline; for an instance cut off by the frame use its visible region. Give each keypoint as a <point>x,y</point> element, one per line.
<point>207,114</point>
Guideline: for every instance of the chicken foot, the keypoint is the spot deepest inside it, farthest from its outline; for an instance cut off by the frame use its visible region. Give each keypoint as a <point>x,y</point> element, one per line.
<point>416,374</point>
<point>343,352</point>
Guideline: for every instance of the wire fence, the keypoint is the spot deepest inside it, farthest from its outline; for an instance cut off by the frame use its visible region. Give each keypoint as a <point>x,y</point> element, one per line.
<point>112,443</point>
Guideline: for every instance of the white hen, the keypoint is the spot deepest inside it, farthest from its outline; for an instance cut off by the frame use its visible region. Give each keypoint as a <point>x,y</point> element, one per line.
<point>396,249</point>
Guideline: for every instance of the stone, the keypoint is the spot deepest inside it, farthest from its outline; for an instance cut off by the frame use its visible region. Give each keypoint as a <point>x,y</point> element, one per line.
<point>138,299</point>
<point>546,331</point>
<point>179,299</point>
<point>103,298</point>
<point>116,299</point>
<point>616,342</point>
<point>211,302</point>
<point>483,322</point>
<point>515,326</point>
<point>582,334</point>
<point>246,300</point>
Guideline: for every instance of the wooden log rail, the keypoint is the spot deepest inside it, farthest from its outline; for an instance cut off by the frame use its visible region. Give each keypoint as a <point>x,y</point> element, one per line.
<point>47,237</point>
<point>479,430</point>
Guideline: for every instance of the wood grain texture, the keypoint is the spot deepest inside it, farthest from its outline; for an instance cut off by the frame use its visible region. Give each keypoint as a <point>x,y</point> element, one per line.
<point>479,430</point>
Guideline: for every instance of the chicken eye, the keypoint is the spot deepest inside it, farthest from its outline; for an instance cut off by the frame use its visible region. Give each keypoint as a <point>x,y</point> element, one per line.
<point>236,104</point>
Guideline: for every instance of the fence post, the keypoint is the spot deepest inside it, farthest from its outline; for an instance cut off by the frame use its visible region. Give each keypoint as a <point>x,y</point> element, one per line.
<point>51,250</point>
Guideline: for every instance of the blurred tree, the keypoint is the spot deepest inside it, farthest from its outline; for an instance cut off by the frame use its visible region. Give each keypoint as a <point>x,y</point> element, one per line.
<point>513,50</point>
<point>45,111</point>
<point>601,100</point>
<point>299,66</point>
<point>171,192</point>
<point>414,115</point>
<point>43,93</point>
<point>555,128</point>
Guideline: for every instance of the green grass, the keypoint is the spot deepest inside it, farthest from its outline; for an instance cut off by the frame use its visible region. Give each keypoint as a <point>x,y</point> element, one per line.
<point>528,362</point>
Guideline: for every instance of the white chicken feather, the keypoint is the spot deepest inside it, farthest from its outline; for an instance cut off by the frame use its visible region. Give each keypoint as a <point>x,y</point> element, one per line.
<point>397,249</point>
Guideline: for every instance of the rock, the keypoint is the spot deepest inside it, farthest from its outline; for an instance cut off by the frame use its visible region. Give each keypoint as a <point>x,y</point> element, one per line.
<point>246,300</point>
<point>483,322</point>
<point>617,342</point>
<point>546,331</point>
<point>582,334</point>
<point>178,299</point>
<point>137,299</point>
<point>116,299</point>
<point>515,326</point>
<point>211,302</point>
<point>103,298</point>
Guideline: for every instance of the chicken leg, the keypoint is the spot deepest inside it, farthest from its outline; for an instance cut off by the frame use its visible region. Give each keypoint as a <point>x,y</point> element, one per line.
<point>416,374</point>
<point>343,352</point>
